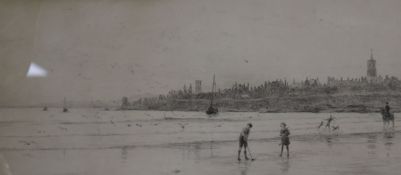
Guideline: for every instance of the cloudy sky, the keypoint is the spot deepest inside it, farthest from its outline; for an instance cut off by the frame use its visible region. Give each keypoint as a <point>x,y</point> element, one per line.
<point>106,49</point>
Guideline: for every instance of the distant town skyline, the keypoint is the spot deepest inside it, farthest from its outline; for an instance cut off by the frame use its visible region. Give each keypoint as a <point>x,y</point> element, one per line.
<point>104,50</point>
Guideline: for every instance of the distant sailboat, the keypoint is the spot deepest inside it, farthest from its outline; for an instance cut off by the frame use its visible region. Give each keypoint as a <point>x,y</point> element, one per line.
<point>65,109</point>
<point>212,110</point>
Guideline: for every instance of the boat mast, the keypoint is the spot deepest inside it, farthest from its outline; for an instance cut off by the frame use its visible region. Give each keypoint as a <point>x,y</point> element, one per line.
<point>213,86</point>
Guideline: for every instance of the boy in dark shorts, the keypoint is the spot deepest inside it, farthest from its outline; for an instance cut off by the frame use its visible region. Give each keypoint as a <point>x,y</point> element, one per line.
<point>243,140</point>
<point>285,139</point>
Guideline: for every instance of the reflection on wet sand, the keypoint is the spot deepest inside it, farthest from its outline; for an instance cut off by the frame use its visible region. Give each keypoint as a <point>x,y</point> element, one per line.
<point>124,153</point>
<point>371,144</point>
<point>330,140</point>
<point>285,165</point>
<point>4,166</point>
<point>244,168</point>
<point>94,145</point>
<point>211,149</point>
<point>388,141</point>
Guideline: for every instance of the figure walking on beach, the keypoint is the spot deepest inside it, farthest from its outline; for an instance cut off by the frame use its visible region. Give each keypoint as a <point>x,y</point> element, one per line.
<point>243,140</point>
<point>329,120</point>
<point>285,139</point>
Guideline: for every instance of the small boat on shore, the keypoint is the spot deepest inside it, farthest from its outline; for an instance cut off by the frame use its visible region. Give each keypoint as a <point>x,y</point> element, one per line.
<point>212,110</point>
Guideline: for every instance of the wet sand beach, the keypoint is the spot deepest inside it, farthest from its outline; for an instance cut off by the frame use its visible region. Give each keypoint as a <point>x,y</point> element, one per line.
<point>92,141</point>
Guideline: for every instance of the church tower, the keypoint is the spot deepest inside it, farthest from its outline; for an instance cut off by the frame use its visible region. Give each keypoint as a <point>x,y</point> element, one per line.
<point>372,73</point>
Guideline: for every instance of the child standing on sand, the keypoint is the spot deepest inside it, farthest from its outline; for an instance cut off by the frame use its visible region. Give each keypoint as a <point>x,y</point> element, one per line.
<point>285,139</point>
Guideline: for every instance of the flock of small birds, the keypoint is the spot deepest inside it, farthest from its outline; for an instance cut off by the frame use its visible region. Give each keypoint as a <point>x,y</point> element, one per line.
<point>182,125</point>
<point>65,129</point>
<point>27,142</point>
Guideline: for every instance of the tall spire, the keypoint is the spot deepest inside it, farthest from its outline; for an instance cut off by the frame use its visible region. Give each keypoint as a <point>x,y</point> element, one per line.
<point>371,71</point>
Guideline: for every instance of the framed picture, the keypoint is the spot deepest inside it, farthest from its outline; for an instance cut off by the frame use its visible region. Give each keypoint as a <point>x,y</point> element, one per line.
<point>200,87</point>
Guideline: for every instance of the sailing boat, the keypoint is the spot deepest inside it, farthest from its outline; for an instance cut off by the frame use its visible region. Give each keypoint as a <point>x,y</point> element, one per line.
<point>65,109</point>
<point>212,110</point>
